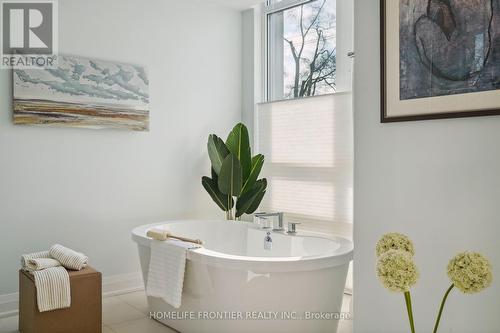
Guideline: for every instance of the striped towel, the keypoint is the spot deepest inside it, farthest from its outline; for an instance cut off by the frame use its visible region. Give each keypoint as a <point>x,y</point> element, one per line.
<point>37,255</point>
<point>68,258</point>
<point>41,263</point>
<point>52,289</point>
<point>166,270</point>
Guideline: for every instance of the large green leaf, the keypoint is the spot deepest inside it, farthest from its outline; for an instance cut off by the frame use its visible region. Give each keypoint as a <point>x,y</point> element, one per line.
<point>256,203</point>
<point>257,163</point>
<point>224,201</point>
<point>215,176</point>
<point>238,143</point>
<point>217,151</point>
<point>249,202</point>
<point>230,176</point>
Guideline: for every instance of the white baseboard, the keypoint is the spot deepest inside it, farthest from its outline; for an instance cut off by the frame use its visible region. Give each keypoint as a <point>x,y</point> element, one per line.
<point>111,286</point>
<point>9,304</point>
<point>121,284</point>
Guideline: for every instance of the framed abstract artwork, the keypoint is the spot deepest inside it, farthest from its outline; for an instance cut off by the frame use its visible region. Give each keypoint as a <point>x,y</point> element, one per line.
<point>85,93</point>
<point>439,59</point>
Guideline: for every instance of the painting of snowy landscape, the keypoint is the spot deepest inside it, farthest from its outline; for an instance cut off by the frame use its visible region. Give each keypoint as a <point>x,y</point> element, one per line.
<point>83,93</point>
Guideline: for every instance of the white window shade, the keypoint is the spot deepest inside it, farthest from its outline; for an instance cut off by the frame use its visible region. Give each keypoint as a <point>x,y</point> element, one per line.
<point>308,148</point>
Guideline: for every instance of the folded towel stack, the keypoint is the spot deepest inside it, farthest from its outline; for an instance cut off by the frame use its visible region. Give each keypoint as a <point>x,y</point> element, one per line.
<point>25,258</point>
<point>41,263</point>
<point>51,278</point>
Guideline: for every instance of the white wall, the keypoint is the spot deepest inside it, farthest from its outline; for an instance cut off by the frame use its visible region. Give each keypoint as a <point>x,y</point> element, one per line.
<point>248,69</point>
<point>87,189</point>
<point>437,181</point>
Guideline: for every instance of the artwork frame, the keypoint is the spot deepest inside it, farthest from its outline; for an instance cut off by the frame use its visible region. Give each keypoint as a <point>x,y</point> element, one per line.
<point>82,92</point>
<point>394,109</point>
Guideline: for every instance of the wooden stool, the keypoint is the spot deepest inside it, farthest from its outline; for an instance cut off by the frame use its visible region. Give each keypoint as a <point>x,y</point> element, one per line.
<point>84,315</point>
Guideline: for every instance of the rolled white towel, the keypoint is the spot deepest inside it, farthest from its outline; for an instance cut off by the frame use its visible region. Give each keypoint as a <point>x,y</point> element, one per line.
<point>68,257</point>
<point>52,289</point>
<point>41,263</point>
<point>36,255</point>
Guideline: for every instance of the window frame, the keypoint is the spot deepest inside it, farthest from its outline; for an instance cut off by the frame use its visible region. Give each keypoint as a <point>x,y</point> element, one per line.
<point>267,9</point>
<point>271,6</point>
<point>344,46</point>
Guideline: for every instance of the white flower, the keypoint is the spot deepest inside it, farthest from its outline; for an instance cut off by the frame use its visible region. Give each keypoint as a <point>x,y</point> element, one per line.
<point>470,272</point>
<point>397,270</point>
<point>394,241</point>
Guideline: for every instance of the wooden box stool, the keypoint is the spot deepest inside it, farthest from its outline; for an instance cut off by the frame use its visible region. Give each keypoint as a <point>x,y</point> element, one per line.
<point>84,315</point>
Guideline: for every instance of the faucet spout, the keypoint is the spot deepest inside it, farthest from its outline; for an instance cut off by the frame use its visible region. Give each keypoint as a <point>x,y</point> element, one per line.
<point>279,228</point>
<point>268,242</point>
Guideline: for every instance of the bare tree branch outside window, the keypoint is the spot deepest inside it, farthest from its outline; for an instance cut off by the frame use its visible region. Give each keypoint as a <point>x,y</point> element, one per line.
<point>310,54</point>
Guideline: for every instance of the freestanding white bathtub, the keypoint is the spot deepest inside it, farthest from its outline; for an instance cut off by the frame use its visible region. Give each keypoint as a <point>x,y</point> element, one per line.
<point>233,284</point>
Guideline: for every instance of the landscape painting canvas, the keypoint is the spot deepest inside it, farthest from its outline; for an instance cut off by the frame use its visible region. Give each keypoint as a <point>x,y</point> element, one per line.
<point>84,93</point>
<point>441,58</point>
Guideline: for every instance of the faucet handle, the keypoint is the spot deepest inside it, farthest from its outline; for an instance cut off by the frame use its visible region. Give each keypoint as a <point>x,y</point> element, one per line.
<point>291,227</point>
<point>280,223</point>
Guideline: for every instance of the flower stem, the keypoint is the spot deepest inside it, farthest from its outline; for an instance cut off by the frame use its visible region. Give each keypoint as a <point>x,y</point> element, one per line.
<point>410,311</point>
<point>441,308</point>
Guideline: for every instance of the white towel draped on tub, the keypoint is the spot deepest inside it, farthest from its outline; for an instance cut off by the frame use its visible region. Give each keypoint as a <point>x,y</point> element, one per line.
<point>68,258</point>
<point>166,270</point>
<point>52,289</point>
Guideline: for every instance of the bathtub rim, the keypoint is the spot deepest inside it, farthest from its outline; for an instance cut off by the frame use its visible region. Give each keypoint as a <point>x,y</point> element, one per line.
<point>341,256</point>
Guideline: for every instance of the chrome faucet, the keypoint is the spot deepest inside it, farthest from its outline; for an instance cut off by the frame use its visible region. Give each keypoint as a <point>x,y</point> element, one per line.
<point>280,219</point>
<point>292,230</point>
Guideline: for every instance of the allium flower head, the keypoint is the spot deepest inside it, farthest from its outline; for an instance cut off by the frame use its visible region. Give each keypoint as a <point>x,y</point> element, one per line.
<point>397,270</point>
<point>470,272</point>
<point>394,241</point>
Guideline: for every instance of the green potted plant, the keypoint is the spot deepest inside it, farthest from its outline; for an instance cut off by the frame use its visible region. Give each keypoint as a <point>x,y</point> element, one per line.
<point>234,185</point>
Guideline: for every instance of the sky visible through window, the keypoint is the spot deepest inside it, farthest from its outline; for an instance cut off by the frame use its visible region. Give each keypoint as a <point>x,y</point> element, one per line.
<point>309,49</point>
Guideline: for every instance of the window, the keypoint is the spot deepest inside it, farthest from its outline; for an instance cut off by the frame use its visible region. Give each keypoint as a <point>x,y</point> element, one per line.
<point>308,145</point>
<point>301,48</point>
<point>307,142</point>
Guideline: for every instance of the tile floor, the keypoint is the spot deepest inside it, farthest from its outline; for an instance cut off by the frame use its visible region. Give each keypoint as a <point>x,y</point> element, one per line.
<point>128,313</point>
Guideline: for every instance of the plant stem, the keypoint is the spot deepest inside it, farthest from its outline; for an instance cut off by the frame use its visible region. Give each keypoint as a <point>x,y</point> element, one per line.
<point>410,311</point>
<point>441,308</point>
<point>229,213</point>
